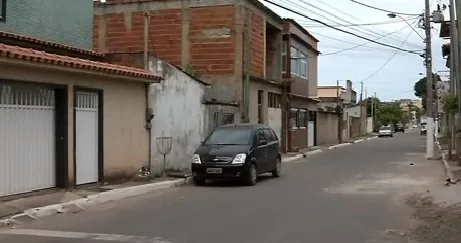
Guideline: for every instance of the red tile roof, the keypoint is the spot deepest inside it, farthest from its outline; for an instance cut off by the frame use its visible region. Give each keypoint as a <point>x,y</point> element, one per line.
<point>49,43</point>
<point>31,55</point>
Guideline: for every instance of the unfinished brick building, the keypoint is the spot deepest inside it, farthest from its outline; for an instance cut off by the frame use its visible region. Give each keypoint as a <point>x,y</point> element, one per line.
<point>211,38</point>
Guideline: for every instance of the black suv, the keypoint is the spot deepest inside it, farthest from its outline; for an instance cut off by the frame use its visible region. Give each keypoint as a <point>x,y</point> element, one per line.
<point>239,151</point>
<point>400,128</point>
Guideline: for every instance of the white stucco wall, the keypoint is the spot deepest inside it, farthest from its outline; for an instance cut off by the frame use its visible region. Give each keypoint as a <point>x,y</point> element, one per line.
<point>180,114</point>
<point>369,124</point>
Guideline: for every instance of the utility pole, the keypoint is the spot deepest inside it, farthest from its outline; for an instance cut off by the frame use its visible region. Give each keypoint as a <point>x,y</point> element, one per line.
<point>374,118</point>
<point>372,114</point>
<point>454,64</point>
<point>361,91</point>
<point>457,47</point>
<point>429,82</point>
<point>338,110</point>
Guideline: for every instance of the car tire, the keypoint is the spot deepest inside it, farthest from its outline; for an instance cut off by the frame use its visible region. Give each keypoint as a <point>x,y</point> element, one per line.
<point>251,177</point>
<point>278,169</point>
<point>199,181</point>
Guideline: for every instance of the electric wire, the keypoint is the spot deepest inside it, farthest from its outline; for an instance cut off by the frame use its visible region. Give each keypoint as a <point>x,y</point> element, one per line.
<point>306,23</point>
<point>387,62</point>
<point>341,30</point>
<point>363,44</point>
<point>384,10</point>
<point>361,30</point>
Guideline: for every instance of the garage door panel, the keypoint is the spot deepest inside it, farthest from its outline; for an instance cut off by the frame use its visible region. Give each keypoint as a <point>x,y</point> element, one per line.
<point>27,141</point>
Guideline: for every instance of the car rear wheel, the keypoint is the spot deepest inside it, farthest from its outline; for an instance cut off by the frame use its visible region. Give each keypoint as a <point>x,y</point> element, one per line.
<point>278,169</point>
<point>252,176</point>
<point>199,181</point>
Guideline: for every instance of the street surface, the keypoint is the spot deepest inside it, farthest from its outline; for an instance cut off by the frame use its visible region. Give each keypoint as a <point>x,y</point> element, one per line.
<point>353,194</point>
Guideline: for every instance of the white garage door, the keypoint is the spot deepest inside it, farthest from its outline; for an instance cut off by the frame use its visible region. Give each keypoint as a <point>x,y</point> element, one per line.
<point>275,121</point>
<point>86,137</point>
<point>27,139</point>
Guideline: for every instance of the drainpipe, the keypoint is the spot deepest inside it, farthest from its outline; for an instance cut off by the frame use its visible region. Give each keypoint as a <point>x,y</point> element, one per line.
<point>146,40</point>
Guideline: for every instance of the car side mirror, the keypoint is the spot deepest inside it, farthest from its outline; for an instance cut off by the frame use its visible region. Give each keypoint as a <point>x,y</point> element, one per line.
<point>262,142</point>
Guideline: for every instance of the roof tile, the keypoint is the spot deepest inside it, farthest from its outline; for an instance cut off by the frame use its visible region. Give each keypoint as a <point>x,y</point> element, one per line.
<point>32,55</point>
<point>49,43</point>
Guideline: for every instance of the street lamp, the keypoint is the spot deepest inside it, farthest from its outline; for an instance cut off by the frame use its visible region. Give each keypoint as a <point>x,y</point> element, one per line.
<point>393,16</point>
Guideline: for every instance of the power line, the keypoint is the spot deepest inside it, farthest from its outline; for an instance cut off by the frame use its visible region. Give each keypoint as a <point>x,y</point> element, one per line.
<point>388,61</point>
<point>359,45</point>
<point>362,30</point>
<point>344,31</point>
<point>384,10</point>
<point>353,25</point>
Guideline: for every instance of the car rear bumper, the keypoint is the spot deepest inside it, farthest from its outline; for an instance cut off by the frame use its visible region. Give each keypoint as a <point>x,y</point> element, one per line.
<point>228,171</point>
<point>385,135</point>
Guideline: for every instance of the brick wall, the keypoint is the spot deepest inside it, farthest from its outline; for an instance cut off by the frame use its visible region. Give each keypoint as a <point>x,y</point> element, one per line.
<point>66,22</point>
<point>258,52</point>
<point>125,33</point>
<point>212,39</point>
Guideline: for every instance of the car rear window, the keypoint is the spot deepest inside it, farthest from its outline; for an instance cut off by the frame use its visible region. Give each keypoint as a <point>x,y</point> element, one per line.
<point>230,136</point>
<point>385,128</point>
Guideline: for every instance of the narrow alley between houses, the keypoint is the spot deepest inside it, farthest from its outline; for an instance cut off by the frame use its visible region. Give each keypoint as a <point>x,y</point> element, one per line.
<point>365,192</point>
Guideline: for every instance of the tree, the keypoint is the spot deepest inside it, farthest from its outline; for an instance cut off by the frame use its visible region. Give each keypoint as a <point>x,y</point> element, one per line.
<point>420,88</point>
<point>376,104</point>
<point>390,113</point>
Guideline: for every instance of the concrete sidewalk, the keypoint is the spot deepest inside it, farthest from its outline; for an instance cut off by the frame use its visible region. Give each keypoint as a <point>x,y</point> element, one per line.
<point>47,203</point>
<point>452,168</point>
<point>292,156</point>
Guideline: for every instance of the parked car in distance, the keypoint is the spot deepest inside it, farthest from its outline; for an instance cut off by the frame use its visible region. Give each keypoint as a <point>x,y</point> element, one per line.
<point>423,128</point>
<point>385,131</point>
<point>238,151</point>
<point>415,126</point>
<point>400,128</point>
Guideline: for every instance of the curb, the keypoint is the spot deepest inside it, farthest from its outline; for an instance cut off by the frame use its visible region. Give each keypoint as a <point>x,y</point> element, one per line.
<point>99,198</point>
<point>448,173</point>
<point>358,141</point>
<point>372,138</point>
<point>301,156</point>
<point>339,145</point>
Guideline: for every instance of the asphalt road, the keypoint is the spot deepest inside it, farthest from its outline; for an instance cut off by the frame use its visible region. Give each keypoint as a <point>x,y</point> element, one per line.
<point>350,195</point>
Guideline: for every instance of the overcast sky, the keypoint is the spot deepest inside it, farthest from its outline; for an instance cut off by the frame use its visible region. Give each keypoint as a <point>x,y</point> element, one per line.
<point>389,73</point>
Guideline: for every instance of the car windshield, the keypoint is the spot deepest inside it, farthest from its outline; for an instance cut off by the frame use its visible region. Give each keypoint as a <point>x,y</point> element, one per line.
<point>385,128</point>
<point>229,136</point>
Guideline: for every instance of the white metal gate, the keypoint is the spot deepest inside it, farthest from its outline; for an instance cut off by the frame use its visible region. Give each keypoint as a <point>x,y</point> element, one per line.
<point>274,117</point>
<point>310,133</point>
<point>86,137</point>
<point>27,139</point>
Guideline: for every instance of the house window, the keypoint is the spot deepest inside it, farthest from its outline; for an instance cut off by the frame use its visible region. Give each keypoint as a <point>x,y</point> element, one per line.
<point>303,66</point>
<point>260,106</point>
<point>302,118</point>
<point>274,100</point>
<point>298,63</point>
<point>284,56</point>
<point>294,61</point>
<point>2,10</point>
<point>294,118</point>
